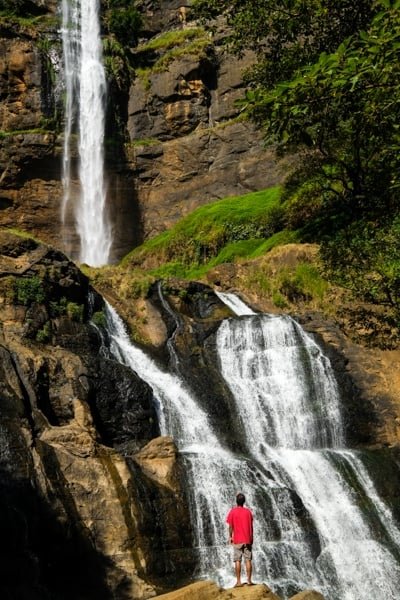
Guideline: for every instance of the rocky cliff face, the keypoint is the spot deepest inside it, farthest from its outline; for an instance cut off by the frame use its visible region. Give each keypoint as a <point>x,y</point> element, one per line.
<point>83,476</point>
<point>183,145</point>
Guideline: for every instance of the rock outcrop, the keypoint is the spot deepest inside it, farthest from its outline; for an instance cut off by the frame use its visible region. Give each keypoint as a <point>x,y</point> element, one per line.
<point>80,489</point>
<point>208,590</point>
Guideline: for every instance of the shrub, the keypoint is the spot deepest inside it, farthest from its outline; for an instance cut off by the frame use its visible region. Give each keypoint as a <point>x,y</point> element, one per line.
<point>44,334</point>
<point>29,290</point>
<point>75,311</point>
<point>99,318</point>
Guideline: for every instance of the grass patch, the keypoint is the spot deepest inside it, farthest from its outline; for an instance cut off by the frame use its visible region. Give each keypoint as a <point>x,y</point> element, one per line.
<point>9,19</point>
<point>201,236</point>
<point>288,286</point>
<point>20,233</point>
<point>7,134</point>
<point>195,48</point>
<point>171,39</point>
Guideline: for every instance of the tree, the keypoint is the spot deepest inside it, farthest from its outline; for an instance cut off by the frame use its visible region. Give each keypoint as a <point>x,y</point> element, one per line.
<point>286,34</point>
<point>333,97</point>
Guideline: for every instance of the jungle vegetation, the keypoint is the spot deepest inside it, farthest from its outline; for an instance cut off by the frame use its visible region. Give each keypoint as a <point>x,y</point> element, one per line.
<point>326,88</point>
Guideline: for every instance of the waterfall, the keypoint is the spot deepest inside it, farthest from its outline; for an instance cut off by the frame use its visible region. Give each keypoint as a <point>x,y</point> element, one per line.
<point>304,486</point>
<point>85,87</point>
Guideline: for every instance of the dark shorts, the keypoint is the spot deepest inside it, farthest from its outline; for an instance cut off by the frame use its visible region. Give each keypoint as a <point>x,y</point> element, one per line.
<point>240,550</point>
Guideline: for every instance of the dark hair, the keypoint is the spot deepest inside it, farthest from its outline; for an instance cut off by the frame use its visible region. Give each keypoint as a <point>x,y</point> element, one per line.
<point>240,499</point>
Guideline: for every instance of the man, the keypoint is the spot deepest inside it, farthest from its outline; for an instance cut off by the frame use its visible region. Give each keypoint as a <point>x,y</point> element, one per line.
<point>240,521</point>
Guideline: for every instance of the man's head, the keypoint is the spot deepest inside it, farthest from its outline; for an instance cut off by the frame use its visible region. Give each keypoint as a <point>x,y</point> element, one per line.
<point>240,499</point>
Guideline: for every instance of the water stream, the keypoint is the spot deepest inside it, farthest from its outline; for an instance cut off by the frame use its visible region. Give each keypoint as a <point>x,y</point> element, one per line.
<point>304,487</point>
<point>85,87</point>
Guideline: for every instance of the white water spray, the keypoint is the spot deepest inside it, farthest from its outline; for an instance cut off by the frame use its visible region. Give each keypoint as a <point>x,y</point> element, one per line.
<point>309,529</point>
<point>85,103</point>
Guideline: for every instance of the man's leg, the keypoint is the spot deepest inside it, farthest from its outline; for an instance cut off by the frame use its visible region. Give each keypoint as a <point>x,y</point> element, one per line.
<point>249,570</point>
<point>238,569</point>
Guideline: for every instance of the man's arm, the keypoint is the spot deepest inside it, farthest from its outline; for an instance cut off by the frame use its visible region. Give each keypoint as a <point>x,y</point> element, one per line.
<point>230,534</point>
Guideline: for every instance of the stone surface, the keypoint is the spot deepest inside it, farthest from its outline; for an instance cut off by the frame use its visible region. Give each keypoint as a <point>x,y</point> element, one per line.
<point>78,510</point>
<point>208,590</point>
<point>308,595</point>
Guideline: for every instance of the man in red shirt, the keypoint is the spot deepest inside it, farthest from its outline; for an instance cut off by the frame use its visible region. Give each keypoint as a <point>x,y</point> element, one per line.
<point>240,521</point>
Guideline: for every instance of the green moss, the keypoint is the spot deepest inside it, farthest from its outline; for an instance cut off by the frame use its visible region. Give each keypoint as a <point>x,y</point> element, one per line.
<point>281,238</point>
<point>20,233</point>
<point>58,308</point>
<point>279,300</point>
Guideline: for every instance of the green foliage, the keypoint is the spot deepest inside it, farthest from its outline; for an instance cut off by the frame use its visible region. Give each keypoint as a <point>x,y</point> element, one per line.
<point>140,287</point>
<point>286,34</point>
<point>99,319</point>
<point>14,132</point>
<point>122,20</point>
<point>327,86</point>
<point>178,44</point>
<point>75,311</point>
<point>365,258</point>
<point>303,284</point>
<point>58,307</point>
<point>29,290</point>
<point>44,335</point>
<point>122,23</point>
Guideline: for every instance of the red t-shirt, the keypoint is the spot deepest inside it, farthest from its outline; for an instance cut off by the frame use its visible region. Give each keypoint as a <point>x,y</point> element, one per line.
<point>240,519</point>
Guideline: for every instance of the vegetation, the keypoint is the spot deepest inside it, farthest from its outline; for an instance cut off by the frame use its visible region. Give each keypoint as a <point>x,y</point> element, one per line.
<point>29,290</point>
<point>171,39</point>
<point>122,22</point>
<point>158,53</point>
<point>198,239</point>
<point>326,86</point>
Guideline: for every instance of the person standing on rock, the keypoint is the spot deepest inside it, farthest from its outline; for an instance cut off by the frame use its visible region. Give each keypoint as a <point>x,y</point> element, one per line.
<point>240,522</point>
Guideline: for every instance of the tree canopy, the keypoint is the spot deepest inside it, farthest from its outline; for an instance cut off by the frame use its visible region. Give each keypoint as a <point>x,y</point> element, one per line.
<point>327,87</point>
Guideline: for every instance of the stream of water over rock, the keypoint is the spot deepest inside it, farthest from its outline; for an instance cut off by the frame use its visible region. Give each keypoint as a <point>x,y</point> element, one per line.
<point>305,488</point>
<point>85,87</point>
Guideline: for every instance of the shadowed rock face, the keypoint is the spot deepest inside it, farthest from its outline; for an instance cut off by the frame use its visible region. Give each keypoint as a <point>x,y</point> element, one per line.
<point>79,514</point>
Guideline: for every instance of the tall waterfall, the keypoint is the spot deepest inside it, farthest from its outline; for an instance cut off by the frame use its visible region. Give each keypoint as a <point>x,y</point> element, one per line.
<point>304,487</point>
<point>85,87</point>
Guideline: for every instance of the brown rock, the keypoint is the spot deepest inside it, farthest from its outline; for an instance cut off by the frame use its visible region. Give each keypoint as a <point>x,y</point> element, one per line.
<point>208,590</point>
<point>308,595</point>
<point>158,461</point>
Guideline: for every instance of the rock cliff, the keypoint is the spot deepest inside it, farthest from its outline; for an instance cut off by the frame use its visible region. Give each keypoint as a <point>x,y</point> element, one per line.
<point>173,139</point>
<point>83,476</point>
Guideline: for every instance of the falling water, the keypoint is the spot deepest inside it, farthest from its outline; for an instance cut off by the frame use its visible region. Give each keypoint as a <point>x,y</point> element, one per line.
<point>302,484</point>
<point>85,103</point>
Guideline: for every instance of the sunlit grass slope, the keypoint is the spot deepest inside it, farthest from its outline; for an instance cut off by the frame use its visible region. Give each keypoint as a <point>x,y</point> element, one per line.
<point>224,231</point>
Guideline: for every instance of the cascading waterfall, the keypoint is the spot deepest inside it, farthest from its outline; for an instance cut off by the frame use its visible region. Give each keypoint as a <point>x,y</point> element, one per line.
<point>298,477</point>
<point>85,107</point>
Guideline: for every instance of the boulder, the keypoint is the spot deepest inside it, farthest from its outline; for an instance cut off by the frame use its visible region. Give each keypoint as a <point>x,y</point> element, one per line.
<point>308,595</point>
<point>208,590</point>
